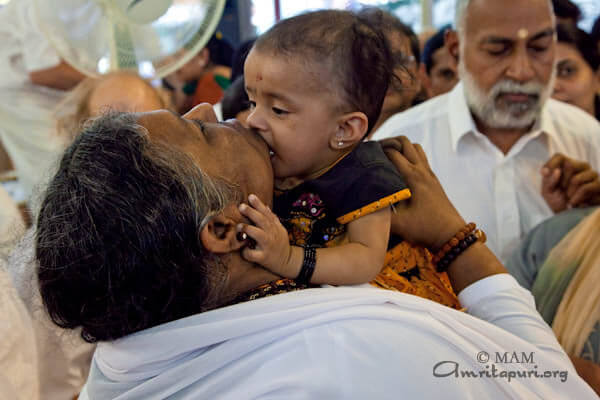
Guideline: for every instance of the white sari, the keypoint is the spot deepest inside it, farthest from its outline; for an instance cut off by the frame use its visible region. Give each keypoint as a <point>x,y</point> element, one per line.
<point>350,343</point>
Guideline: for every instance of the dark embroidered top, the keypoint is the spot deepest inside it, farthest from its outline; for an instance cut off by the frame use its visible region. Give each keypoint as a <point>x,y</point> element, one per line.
<point>278,286</point>
<point>314,213</point>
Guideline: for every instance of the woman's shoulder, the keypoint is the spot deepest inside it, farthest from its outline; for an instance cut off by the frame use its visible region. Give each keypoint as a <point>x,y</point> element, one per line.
<point>535,247</point>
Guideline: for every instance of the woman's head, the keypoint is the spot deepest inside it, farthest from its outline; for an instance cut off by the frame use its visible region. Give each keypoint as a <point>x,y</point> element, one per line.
<point>316,83</point>
<point>137,227</point>
<point>578,72</point>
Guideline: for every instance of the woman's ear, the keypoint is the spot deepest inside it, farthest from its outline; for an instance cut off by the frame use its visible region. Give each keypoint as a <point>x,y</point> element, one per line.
<point>351,129</point>
<point>219,235</point>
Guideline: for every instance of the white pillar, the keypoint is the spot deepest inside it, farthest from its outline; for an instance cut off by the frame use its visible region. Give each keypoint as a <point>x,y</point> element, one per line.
<point>426,15</point>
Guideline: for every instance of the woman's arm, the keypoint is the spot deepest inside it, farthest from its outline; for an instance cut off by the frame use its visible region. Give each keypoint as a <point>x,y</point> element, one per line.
<point>429,218</point>
<point>588,371</point>
<point>355,262</point>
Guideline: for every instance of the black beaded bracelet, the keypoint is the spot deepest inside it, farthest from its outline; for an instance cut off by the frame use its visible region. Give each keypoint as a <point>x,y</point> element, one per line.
<point>308,265</point>
<point>450,256</point>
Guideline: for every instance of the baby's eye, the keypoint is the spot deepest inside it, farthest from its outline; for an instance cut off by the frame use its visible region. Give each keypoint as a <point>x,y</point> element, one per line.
<point>279,111</point>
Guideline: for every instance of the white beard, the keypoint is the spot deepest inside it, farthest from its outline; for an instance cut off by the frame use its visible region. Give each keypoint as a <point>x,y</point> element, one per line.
<point>487,106</point>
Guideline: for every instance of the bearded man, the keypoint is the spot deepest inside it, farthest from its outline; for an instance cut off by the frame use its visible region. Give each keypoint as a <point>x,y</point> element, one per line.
<point>508,156</point>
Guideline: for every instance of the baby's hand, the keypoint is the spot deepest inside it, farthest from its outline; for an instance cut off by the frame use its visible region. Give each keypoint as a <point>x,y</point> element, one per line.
<point>272,250</point>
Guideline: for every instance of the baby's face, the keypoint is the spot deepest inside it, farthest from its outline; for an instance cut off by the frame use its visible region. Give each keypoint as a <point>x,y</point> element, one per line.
<point>292,111</point>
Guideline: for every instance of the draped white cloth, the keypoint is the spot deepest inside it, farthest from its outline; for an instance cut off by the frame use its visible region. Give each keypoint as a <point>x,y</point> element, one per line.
<point>18,354</point>
<point>346,342</point>
<point>63,357</point>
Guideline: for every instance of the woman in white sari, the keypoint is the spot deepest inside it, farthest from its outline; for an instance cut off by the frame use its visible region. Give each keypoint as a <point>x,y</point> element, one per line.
<point>138,245</point>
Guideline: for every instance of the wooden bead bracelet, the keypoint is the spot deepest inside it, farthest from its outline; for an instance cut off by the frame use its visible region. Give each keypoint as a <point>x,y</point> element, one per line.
<point>453,242</point>
<point>463,239</point>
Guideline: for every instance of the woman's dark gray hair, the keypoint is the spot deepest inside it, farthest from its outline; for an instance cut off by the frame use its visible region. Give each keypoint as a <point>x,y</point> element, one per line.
<point>118,233</point>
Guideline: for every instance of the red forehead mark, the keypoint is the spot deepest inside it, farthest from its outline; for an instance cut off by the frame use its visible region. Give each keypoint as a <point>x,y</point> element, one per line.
<point>259,77</point>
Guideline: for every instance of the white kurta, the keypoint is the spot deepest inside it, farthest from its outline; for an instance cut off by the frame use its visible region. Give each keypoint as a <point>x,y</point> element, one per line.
<point>343,343</point>
<point>27,125</point>
<point>501,193</point>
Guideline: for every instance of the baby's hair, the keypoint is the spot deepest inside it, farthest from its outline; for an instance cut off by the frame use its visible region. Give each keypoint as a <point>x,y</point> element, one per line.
<point>354,52</point>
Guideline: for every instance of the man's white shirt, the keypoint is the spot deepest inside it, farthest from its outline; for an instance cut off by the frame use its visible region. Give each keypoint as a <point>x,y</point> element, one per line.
<point>501,193</point>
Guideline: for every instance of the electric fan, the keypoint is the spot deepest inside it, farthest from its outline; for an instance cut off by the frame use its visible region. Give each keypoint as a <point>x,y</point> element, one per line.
<point>150,37</point>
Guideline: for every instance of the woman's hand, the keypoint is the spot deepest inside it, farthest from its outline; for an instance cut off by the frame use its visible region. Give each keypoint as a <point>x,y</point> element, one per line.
<point>272,250</point>
<point>427,218</point>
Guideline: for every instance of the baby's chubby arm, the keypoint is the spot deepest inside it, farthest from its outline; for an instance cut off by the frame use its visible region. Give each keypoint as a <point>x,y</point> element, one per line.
<point>355,262</point>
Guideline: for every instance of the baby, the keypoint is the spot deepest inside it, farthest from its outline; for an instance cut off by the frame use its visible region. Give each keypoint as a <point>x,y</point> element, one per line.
<point>316,83</point>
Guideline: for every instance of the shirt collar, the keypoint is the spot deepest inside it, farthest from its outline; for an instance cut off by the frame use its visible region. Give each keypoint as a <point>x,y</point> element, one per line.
<point>546,122</point>
<point>462,123</point>
<point>459,115</point>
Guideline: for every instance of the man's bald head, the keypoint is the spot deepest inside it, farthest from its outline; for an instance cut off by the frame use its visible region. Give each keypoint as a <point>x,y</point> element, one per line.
<point>463,5</point>
<point>124,92</point>
<point>506,53</point>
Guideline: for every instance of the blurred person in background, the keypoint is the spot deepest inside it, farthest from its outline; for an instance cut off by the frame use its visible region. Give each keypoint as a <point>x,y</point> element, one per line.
<point>424,37</point>
<point>118,91</point>
<point>559,262</point>
<point>596,35</point>
<point>204,78</point>
<point>33,79</point>
<point>509,156</point>
<point>566,12</point>
<point>439,69</point>
<point>239,58</point>
<point>578,74</point>
<point>596,32</point>
<point>235,103</point>
<point>405,90</point>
